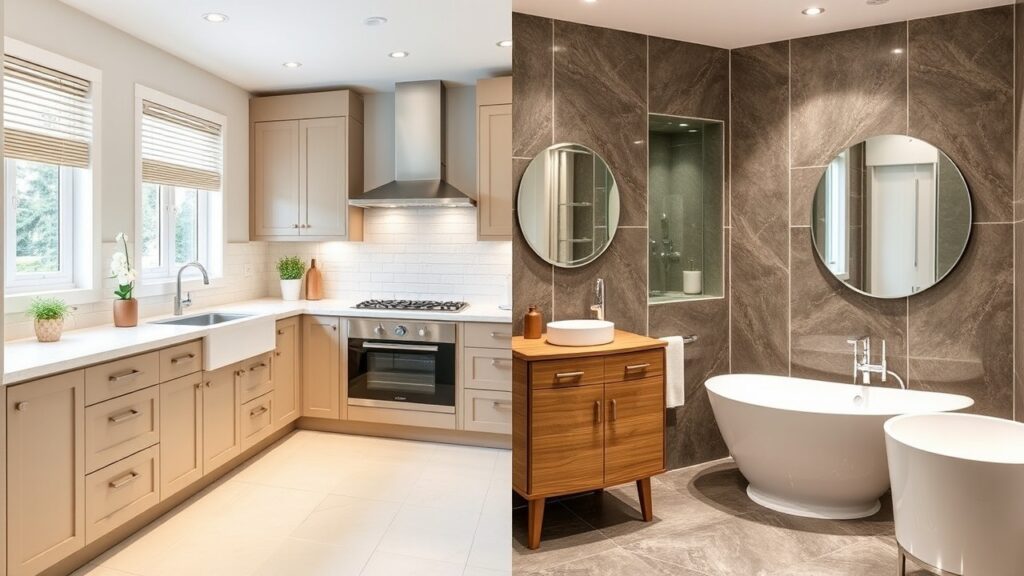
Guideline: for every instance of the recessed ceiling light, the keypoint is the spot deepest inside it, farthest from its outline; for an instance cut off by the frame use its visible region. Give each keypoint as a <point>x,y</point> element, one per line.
<point>399,54</point>
<point>897,50</point>
<point>638,141</point>
<point>590,1</point>
<point>693,130</point>
<point>683,124</point>
<point>505,44</point>
<point>375,21</point>
<point>813,11</point>
<point>215,17</point>
<point>292,64</point>
<point>877,2</point>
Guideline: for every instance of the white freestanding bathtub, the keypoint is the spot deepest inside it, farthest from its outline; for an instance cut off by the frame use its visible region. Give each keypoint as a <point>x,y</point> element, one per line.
<point>958,492</point>
<point>813,448</point>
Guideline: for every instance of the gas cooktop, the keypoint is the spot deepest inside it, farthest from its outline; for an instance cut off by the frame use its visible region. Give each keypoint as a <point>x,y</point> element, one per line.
<point>422,305</point>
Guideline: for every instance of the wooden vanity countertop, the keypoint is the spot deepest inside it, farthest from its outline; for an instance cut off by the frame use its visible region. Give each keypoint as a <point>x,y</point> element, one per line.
<point>539,349</point>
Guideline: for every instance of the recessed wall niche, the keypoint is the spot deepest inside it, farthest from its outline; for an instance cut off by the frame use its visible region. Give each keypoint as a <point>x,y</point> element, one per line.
<point>685,180</point>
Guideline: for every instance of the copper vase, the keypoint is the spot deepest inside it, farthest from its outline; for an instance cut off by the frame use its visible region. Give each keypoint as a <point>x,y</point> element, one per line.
<point>126,313</point>
<point>314,282</point>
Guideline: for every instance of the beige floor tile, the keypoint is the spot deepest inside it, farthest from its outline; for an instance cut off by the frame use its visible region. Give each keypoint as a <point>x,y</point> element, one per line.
<point>379,480</point>
<point>308,558</point>
<point>390,564</point>
<point>431,534</point>
<point>208,554</point>
<point>342,519</point>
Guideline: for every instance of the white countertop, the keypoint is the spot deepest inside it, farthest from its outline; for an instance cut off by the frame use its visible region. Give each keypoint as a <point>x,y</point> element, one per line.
<point>28,359</point>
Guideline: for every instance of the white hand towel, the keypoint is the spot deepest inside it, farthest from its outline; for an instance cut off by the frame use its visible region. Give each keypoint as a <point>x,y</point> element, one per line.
<point>674,381</point>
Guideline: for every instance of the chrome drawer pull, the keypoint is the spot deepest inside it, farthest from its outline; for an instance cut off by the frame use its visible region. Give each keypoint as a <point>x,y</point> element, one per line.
<point>560,375</point>
<point>258,411</point>
<point>500,403</point>
<point>129,374</point>
<point>124,480</point>
<point>633,367</point>
<point>124,416</point>
<point>501,335</point>
<point>180,359</point>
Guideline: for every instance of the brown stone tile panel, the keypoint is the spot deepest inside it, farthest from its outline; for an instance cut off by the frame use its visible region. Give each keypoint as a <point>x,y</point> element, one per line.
<point>531,91</point>
<point>688,79</point>
<point>961,100</point>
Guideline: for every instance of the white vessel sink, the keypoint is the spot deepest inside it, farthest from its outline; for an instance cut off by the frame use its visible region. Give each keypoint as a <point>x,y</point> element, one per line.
<point>580,332</point>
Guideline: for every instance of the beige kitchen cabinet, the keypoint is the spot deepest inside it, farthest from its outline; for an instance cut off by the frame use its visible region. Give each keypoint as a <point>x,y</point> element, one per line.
<point>181,433</point>
<point>494,158</point>
<point>321,367</point>
<point>45,471</point>
<point>486,393</point>
<point>221,431</point>
<point>286,373</point>
<point>306,159</point>
<point>255,377</point>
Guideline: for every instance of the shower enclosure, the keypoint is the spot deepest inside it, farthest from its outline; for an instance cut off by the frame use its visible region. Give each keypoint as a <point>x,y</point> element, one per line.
<point>685,184</point>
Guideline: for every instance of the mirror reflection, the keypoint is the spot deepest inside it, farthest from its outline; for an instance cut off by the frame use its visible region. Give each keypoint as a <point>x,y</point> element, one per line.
<point>568,205</point>
<point>891,216</point>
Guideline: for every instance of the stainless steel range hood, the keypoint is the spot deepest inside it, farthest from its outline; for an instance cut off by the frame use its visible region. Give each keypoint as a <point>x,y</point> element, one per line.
<point>419,153</point>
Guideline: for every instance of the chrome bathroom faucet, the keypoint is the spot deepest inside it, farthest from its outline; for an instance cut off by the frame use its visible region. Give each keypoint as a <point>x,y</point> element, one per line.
<point>864,367</point>
<point>597,309</point>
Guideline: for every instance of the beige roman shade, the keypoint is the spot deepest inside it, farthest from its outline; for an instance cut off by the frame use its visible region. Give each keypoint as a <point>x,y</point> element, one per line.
<point>47,115</point>
<point>179,149</point>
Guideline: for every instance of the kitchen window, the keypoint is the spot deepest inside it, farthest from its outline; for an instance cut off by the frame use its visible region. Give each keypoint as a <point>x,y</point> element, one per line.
<point>48,149</point>
<point>181,165</point>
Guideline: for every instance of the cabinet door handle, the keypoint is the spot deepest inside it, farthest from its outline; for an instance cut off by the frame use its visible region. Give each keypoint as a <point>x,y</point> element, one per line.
<point>208,383</point>
<point>501,403</point>
<point>560,375</point>
<point>21,406</point>
<point>257,366</point>
<point>280,332</point>
<point>258,411</point>
<point>615,410</point>
<point>598,410</point>
<point>124,416</point>
<point>501,335</point>
<point>496,361</point>
<point>181,359</point>
<point>129,374</point>
<point>277,353</point>
<point>198,385</point>
<point>124,480</point>
<point>634,367</point>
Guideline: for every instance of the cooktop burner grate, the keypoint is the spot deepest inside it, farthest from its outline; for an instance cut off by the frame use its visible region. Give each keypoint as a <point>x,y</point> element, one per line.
<point>422,305</point>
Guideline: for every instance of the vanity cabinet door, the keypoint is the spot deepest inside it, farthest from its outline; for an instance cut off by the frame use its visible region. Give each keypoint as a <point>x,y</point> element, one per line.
<point>45,472</point>
<point>181,433</point>
<point>634,430</point>
<point>275,174</point>
<point>321,367</point>
<point>286,372</point>
<point>566,439</point>
<point>222,437</point>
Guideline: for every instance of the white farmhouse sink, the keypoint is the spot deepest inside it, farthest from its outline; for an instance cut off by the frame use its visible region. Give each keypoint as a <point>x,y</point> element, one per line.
<point>580,332</point>
<point>232,337</point>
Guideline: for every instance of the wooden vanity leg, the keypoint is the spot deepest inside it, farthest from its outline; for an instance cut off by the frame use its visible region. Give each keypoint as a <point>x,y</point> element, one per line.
<point>536,521</point>
<point>643,491</point>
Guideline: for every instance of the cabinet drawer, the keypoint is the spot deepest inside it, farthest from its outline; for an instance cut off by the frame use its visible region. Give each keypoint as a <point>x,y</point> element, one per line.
<point>488,369</point>
<point>634,366</point>
<point>121,426</point>
<point>181,360</point>
<point>566,373</point>
<point>488,335</point>
<point>257,420</point>
<point>120,377</point>
<point>255,377</point>
<point>120,492</point>
<point>488,411</point>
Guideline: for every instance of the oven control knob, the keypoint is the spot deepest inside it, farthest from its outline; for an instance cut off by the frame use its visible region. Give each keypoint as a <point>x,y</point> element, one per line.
<point>400,330</point>
<point>379,330</point>
<point>422,332</point>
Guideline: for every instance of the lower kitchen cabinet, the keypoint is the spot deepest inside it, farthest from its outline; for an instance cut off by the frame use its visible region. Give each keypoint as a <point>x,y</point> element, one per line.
<point>221,431</point>
<point>45,472</point>
<point>286,375</point>
<point>256,418</point>
<point>121,491</point>
<point>181,434</point>
<point>321,367</point>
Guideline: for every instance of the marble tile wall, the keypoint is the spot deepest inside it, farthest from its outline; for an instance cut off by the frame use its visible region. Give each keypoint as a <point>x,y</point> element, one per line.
<point>1018,210</point>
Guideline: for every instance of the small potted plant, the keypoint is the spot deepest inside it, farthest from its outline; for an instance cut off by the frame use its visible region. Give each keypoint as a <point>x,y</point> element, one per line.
<point>290,269</point>
<point>126,308</point>
<point>49,315</point>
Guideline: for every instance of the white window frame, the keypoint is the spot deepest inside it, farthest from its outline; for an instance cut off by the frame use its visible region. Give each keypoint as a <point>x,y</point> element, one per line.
<point>212,227</point>
<point>85,238</point>
<point>168,267</point>
<point>64,278</point>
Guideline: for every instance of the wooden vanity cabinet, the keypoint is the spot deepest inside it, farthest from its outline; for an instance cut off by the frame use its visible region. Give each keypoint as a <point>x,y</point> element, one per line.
<point>586,419</point>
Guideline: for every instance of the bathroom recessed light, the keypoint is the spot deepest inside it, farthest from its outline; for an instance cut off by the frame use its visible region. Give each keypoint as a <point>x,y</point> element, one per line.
<point>638,141</point>
<point>399,54</point>
<point>813,11</point>
<point>897,50</point>
<point>292,64</point>
<point>683,124</point>
<point>505,44</point>
<point>590,1</point>
<point>375,21</point>
<point>877,2</point>
<point>693,130</point>
<point>215,17</point>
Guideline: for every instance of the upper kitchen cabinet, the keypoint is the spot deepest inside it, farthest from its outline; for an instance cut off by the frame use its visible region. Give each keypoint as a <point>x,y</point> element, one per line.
<point>494,158</point>
<point>306,157</point>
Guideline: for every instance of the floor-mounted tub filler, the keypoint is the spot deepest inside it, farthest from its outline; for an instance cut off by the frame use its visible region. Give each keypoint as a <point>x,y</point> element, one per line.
<point>813,448</point>
<point>958,492</point>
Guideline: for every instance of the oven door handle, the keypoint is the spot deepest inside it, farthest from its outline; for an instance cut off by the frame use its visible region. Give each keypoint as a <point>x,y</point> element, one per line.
<point>389,346</point>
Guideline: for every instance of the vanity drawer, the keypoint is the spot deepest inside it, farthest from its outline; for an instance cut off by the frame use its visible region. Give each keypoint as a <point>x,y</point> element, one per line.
<point>488,411</point>
<point>488,369</point>
<point>488,335</point>
<point>120,377</point>
<point>257,420</point>
<point>120,492</point>
<point>255,377</point>
<point>567,373</point>
<point>181,360</point>
<point>121,426</point>
<point>634,366</point>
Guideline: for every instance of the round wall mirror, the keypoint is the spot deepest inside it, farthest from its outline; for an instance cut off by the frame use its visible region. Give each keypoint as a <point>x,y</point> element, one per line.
<point>891,216</point>
<point>568,205</point>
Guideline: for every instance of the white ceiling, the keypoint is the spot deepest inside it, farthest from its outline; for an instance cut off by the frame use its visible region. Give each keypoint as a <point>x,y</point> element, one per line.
<point>736,23</point>
<point>450,40</point>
